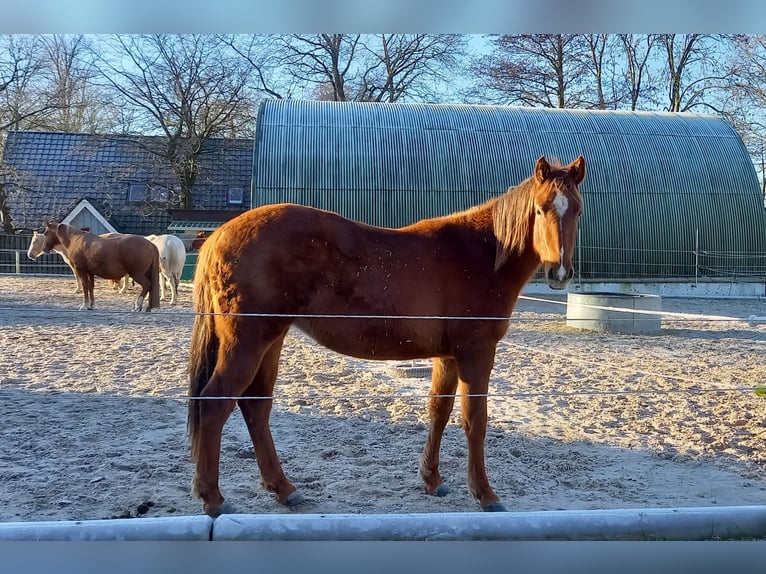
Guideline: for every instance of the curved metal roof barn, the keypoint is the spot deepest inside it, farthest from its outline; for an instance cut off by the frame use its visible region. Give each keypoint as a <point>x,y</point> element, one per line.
<point>659,186</point>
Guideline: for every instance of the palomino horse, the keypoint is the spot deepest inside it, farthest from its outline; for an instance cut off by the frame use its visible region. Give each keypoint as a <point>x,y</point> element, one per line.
<point>172,260</point>
<point>107,257</point>
<point>441,288</point>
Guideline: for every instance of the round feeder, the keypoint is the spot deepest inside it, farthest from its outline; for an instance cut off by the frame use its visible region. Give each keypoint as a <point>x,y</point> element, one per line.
<point>614,312</point>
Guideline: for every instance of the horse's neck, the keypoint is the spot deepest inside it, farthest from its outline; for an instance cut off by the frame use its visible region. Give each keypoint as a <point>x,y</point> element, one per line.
<point>68,241</point>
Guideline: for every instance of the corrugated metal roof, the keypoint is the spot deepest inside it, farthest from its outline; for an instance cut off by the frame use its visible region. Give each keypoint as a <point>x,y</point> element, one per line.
<point>194,225</point>
<point>654,178</point>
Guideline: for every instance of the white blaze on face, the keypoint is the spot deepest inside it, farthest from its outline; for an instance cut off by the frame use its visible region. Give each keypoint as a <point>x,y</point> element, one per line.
<point>561,204</point>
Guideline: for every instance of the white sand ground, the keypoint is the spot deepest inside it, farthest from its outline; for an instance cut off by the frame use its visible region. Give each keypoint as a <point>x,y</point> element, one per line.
<point>93,415</point>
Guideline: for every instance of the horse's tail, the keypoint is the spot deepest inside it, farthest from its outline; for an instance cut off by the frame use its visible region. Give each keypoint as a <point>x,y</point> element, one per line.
<point>154,272</point>
<point>202,353</point>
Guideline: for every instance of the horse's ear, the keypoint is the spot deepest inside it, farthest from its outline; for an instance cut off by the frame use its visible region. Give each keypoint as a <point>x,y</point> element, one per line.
<point>542,169</point>
<point>62,229</point>
<point>577,170</point>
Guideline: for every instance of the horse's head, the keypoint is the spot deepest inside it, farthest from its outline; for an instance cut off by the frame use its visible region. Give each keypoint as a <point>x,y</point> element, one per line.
<point>36,246</point>
<point>51,234</point>
<point>557,206</point>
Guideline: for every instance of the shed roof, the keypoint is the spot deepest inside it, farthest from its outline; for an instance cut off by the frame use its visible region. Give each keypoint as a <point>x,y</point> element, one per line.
<point>655,181</point>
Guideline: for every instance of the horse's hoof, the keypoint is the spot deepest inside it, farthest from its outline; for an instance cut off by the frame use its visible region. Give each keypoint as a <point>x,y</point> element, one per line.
<point>494,507</point>
<point>224,508</point>
<point>294,499</point>
<point>441,490</point>
<point>227,508</point>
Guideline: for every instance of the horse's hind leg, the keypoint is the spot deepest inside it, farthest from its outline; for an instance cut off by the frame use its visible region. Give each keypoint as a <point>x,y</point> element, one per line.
<point>443,384</point>
<point>145,288</point>
<point>256,413</point>
<point>213,414</point>
<point>174,280</point>
<point>233,374</point>
<point>162,277</point>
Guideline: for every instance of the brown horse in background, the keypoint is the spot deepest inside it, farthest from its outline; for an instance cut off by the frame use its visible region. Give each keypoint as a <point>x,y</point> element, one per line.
<point>111,257</point>
<point>286,264</point>
<point>37,248</point>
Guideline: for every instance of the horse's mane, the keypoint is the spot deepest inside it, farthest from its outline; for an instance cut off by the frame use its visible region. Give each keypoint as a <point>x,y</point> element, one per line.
<point>510,220</point>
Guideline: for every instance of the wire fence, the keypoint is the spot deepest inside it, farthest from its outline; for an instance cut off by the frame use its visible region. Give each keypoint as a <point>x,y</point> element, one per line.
<point>751,322</point>
<point>597,264</point>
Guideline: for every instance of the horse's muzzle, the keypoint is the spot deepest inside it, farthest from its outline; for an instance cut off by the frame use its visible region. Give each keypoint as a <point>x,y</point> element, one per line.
<point>558,278</point>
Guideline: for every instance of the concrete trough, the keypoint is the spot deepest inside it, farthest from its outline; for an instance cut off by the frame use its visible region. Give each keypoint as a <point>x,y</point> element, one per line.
<point>411,370</point>
<point>624,524</point>
<point>614,312</point>
<point>130,529</point>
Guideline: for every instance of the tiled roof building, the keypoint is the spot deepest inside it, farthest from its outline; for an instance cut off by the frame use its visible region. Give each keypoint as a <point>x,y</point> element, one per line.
<point>118,183</point>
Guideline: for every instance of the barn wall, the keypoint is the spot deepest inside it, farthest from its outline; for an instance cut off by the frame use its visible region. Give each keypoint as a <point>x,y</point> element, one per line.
<point>657,183</point>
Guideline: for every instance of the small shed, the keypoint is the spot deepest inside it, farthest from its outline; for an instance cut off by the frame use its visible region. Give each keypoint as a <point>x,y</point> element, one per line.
<point>667,195</point>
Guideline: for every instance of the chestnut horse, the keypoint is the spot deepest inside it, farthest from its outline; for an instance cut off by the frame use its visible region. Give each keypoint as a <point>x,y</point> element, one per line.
<point>37,248</point>
<point>441,288</point>
<point>111,257</point>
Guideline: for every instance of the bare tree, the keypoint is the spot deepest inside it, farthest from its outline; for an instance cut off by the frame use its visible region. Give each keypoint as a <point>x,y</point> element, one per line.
<point>747,89</point>
<point>692,68</point>
<point>408,66</point>
<point>322,59</point>
<point>23,102</point>
<point>534,70</point>
<point>265,53</point>
<point>189,88</point>
<point>638,50</point>
<point>80,105</point>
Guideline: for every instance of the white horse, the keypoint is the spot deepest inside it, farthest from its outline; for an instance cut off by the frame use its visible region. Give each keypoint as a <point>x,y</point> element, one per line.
<point>172,259</point>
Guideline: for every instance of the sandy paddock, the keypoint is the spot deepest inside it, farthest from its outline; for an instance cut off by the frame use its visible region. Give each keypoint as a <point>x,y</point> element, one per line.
<point>93,414</point>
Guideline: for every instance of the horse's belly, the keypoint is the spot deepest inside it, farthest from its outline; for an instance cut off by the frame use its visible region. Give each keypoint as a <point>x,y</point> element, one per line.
<point>365,339</point>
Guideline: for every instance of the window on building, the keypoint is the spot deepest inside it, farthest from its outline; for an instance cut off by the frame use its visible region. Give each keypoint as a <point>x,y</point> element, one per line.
<point>235,196</point>
<point>137,192</point>
<point>159,194</point>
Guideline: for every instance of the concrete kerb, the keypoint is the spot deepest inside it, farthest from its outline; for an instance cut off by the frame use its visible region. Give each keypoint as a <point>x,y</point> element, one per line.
<point>169,528</point>
<point>735,522</point>
<point>706,523</point>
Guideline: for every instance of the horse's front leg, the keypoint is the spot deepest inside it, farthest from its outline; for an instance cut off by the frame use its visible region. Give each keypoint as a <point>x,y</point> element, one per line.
<point>78,283</point>
<point>474,372</point>
<point>443,385</point>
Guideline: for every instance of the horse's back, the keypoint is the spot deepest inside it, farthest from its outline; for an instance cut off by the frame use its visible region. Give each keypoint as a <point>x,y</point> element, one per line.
<point>134,252</point>
<point>177,254</point>
<point>171,250</point>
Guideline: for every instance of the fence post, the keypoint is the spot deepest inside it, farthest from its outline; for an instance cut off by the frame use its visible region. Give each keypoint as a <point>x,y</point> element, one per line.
<point>696,254</point>
<point>18,262</point>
